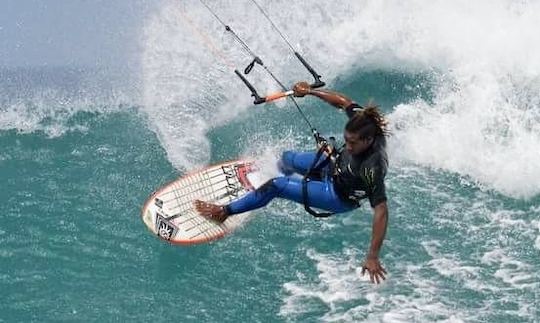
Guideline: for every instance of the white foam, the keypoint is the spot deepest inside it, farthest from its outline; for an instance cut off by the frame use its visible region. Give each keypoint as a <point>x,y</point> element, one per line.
<point>45,99</point>
<point>484,121</point>
<point>537,241</point>
<point>474,132</point>
<point>340,283</point>
<point>50,117</point>
<point>515,273</point>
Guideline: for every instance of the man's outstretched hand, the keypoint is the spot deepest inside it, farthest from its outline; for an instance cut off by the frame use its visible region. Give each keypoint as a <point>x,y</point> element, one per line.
<point>375,270</point>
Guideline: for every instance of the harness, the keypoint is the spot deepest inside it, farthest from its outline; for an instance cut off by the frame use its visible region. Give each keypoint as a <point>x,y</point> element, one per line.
<point>324,146</point>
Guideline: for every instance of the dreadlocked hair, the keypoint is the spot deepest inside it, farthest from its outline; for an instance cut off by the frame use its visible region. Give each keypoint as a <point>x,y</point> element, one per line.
<point>368,123</point>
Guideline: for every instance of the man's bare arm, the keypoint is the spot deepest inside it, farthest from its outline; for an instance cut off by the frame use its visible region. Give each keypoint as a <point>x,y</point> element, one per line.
<point>372,264</point>
<point>336,99</point>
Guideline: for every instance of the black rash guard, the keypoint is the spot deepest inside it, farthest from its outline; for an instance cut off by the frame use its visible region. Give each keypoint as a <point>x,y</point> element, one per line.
<point>362,176</point>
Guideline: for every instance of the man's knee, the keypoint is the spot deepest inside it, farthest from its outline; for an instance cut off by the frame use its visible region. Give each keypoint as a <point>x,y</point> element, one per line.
<point>286,163</point>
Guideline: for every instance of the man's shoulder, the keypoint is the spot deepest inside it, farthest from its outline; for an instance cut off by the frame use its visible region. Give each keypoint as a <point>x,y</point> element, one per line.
<point>379,151</point>
<point>377,155</point>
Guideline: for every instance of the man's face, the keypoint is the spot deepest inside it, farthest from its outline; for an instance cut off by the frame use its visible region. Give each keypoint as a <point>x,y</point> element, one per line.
<point>354,145</point>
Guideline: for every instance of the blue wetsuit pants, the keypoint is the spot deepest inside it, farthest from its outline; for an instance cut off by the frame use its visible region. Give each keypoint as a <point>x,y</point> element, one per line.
<point>321,192</point>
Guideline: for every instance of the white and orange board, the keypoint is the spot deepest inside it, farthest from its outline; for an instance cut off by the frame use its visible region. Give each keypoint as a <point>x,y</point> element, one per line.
<point>169,212</point>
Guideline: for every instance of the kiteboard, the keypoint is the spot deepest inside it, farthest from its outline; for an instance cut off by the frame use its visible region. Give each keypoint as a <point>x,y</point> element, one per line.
<point>169,212</point>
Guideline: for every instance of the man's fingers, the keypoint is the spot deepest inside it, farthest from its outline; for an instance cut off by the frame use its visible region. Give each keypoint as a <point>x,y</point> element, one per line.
<point>375,276</point>
<point>381,276</point>
<point>382,272</point>
<point>376,272</point>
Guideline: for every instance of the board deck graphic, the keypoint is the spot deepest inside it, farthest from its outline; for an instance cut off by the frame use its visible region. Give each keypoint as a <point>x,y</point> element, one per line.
<point>169,212</point>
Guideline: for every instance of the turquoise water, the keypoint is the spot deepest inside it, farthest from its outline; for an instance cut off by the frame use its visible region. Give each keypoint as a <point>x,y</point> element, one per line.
<point>463,242</point>
<point>74,246</point>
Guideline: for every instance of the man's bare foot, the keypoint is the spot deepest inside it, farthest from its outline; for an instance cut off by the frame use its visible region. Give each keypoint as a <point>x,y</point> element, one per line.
<point>211,211</point>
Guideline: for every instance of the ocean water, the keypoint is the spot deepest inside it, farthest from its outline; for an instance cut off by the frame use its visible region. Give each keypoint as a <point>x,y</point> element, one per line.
<point>459,83</point>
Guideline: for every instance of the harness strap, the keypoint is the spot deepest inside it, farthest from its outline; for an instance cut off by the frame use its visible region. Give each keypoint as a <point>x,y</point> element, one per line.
<point>315,166</point>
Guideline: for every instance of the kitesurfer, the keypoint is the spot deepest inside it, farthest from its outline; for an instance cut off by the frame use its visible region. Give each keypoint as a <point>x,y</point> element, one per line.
<point>356,172</point>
